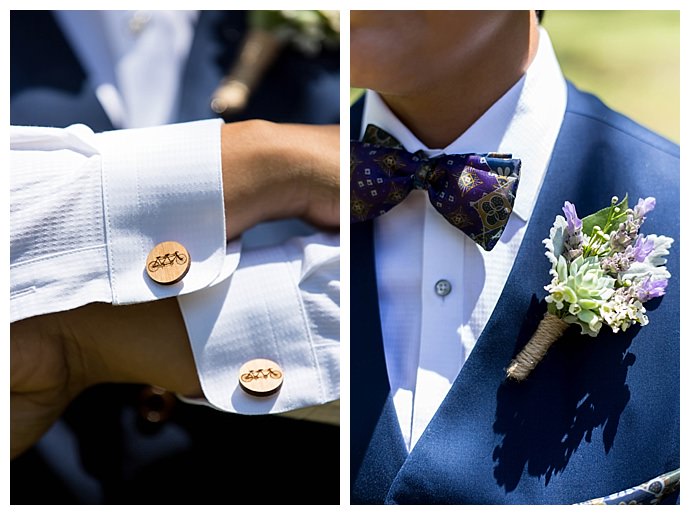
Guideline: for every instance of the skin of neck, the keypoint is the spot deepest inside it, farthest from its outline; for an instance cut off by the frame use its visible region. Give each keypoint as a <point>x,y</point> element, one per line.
<point>459,82</point>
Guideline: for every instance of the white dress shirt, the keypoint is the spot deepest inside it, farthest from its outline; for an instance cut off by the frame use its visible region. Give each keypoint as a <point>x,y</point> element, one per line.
<point>87,208</point>
<point>428,336</point>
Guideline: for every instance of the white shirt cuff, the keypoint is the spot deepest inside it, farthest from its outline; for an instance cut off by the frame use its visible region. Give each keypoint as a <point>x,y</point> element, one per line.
<point>283,304</point>
<point>86,209</point>
<point>163,184</point>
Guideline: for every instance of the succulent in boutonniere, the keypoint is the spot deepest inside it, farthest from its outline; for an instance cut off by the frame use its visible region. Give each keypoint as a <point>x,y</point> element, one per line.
<point>603,271</point>
<point>269,32</point>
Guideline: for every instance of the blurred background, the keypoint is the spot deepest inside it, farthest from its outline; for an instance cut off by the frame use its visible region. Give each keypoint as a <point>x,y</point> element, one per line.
<point>629,59</point>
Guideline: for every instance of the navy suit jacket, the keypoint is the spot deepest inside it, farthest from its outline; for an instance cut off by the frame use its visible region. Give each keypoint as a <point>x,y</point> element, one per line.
<point>597,416</point>
<point>102,450</point>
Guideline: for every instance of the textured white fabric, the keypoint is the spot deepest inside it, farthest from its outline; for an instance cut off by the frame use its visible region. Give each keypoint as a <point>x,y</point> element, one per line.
<point>86,209</point>
<point>55,176</point>
<point>282,303</point>
<point>427,338</point>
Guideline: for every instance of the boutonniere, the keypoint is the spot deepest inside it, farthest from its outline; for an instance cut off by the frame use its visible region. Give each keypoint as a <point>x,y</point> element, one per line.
<point>603,271</point>
<point>269,32</point>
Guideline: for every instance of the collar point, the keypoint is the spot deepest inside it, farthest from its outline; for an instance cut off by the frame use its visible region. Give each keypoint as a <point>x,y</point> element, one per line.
<point>522,212</point>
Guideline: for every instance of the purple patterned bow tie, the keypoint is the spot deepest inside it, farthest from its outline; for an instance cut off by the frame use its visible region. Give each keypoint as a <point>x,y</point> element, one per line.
<point>474,192</point>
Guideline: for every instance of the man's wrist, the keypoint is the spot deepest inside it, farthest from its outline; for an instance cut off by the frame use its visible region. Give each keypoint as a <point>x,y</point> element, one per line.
<point>273,171</point>
<point>141,343</point>
<point>262,176</point>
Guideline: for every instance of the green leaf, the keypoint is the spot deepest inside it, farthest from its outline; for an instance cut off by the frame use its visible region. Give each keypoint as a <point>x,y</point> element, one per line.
<point>586,316</point>
<point>600,217</point>
<point>588,304</point>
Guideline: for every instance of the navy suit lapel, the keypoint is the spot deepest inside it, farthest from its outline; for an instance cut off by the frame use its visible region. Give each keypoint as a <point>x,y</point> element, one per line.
<point>377,449</point>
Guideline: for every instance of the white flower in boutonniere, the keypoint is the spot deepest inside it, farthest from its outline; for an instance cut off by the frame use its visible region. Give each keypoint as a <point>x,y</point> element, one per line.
<point>269,32</point>
<point>603,271</point>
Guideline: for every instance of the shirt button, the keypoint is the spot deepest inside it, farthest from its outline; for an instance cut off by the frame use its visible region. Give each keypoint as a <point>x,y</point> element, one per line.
<point>261,377</point>
<point>168,262</point>
<point>442,288</point>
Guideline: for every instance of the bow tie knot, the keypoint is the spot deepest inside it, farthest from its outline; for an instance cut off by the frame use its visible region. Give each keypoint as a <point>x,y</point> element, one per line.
<point>422,174</point>
<point>474,192</point>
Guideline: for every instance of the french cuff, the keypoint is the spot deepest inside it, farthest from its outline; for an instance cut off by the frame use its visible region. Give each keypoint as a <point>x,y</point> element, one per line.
<point>164,184</point>
<point>258,313</point>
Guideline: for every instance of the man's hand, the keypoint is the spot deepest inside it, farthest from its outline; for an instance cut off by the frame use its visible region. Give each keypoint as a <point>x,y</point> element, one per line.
<point>54,357</point>
<point>44,379</point>
<point>273,171</point>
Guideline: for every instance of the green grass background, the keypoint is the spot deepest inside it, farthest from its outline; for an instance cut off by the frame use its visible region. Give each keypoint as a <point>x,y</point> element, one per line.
<point>629,59</point>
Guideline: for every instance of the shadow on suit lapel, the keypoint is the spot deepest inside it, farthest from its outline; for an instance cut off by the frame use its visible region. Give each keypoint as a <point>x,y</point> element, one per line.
<point>495,429</point>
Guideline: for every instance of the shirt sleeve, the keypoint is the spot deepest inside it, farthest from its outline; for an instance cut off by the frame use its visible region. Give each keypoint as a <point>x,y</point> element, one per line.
<point>282,303</point>
<point>86,209</point>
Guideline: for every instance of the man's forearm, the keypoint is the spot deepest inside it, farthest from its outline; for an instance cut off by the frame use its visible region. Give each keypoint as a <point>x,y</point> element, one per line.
<point>140,343</point>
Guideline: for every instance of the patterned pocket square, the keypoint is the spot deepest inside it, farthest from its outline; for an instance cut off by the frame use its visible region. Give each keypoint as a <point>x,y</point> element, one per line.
<point>650,492</point>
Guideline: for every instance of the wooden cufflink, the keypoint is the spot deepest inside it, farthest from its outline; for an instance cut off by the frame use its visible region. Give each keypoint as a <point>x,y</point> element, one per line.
<point>261,377</point>
<point>168,262</point>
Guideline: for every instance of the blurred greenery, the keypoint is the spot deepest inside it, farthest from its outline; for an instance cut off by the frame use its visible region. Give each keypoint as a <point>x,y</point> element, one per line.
<point>629,59</point>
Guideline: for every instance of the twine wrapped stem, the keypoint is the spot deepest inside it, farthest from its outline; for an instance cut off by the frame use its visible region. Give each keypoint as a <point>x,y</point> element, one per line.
<point>550,329</point>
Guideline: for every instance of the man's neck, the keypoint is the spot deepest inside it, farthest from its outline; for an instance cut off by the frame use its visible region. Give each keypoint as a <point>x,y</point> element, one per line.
<point>440,114</point>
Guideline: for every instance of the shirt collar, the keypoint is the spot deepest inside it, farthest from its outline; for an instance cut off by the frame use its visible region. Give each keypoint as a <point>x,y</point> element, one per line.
<point>525,122</point>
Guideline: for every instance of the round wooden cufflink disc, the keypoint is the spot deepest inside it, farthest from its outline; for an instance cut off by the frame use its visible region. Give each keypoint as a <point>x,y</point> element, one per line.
<point>168,262</point>
<point>261,377</point>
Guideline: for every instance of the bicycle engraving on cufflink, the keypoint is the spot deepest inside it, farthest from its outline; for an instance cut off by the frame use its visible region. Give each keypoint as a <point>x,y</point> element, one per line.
<point>167,260</point>
<point>261,373</point>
